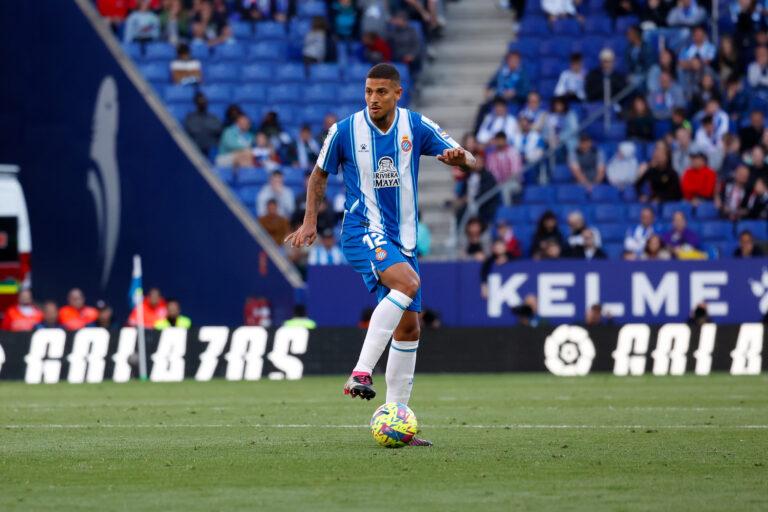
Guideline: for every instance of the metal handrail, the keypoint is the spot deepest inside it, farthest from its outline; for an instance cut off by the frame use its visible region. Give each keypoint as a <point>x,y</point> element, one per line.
<point>605,112</point>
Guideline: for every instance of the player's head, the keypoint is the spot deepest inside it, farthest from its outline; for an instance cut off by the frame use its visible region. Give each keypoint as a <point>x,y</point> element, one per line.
<point>154,296</point>
<point>382,90</point>
<point>174,308</point>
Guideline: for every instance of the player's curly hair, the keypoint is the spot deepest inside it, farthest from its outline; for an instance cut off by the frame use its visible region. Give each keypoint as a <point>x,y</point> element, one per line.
<point>384,71</point>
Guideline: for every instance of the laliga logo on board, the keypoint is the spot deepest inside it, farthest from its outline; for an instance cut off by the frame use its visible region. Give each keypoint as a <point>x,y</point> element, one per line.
<point>760,290</point>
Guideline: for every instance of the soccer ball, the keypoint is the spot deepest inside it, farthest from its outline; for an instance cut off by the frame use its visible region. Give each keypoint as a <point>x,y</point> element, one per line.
<point>393,425</point>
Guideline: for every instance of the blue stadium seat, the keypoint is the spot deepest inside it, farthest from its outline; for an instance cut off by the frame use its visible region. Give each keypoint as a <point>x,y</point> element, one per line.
<point>535,211</point>
<point>524,235</point>
<point>512,214</point>
<point>234,52</point>
<point>247,194</point>
<point>547,88</point>
<point>324,73</point>
<point>716,230</point>
<point>178,93</point>
<point>218,108</point>
<point>288,114</point>
<point>350,93</point>
<point>251,176</point>
<point>270,30</point>
<point>706,210</point>
<point>313,113</point>
<point>298,28</point>
<point>321,93</point>
<point>556,47</point>
<point>268,51</point>
<point>310,9</point>
<point>222,72</point>
<point>570,194</point>
<point>217,92</point>
<point>536,194</point>
<point>257,73</point>
<point>669,209</point>
<point>252,93</point>
<point>356,73</point>
<point>562,174</point>
<point>598,25</point>
<point>605,194</point>
<point>159,51</point>
<point>255,111</point>
<point>551,67</point>
<point>226,174</point>
<point>200,51</point>
<point>759,228</point>
<point>624,22</point>
<point>614,232</point>
<point>133,50</point>
<point>629,195</point>
<point>591,45</point>
<point>179,111</point>
<point>347,109</point>
<point>563,210</point>
<point>156,72</point>
<point>614,251</point>
<point>633,212</point>
<point>528,47</point>
<point>534,26</point>
<point>567,27</point>
<point>290,72</point>
<point>597,7</point>
<point>242,30</point>
<point>284,94</point>
<point>609,212</point>
<point>726,249</point>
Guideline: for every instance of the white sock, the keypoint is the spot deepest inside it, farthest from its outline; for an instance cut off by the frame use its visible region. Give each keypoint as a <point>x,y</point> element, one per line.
<point>384,319</point>
<point>401,365</point>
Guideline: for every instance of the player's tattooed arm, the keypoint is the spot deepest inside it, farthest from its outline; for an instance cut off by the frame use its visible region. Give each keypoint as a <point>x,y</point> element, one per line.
<point>458,157</point>
<point>307,233</point>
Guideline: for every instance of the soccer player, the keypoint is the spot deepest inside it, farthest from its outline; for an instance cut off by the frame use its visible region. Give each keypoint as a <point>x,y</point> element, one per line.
<point>378,150</point>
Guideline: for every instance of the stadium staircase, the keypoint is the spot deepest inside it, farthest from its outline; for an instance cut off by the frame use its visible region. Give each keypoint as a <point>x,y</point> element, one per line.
<point>452,88</point>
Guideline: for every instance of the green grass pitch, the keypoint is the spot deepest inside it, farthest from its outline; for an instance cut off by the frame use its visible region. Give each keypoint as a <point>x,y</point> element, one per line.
<point>502,442</point>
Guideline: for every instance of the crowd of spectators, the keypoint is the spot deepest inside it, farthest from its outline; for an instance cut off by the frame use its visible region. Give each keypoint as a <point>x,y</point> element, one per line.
<point>29,315</point>
<point>689,128</point>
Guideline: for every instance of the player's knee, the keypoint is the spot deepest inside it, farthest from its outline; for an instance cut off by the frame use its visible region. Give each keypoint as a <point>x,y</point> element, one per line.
<point>410,285</point>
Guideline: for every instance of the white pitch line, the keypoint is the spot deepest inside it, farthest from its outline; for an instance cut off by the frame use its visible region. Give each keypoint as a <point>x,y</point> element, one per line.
<point>517,426</point>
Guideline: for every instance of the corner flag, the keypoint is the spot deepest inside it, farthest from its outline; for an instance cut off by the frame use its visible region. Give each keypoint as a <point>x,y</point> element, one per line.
<point>136,297</point>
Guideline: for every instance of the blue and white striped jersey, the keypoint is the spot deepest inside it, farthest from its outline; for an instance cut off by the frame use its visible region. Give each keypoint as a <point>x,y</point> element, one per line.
<point>381,170</point>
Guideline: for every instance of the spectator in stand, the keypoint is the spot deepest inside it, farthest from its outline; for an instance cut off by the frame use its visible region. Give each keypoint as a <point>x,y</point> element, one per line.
<point>622,168</point>
<point>708,142</point>
<point>658,181</point>
<point>499,257</point>
<point>154,308</point>
<point>700,47</point>
<point>344,17</point>
<point>327,252</point>
<point>699,180</point>
<point>655,249</point>
<point>376,49</point>
<point>260,10</point>
<point>679,120</point>
<point>257,311</point>
<point>503,161</point>
<point>639,56</point>
<point>637,237</point>
<point>666,62</point>
<point>640,121</point>
<point>142,25</point>
<point>562,126</point>
<point>680,239</point>
<point>570,83</point>
<point>704,91</point>
<point>556,9</point>
<point>231,114</point>
<point>300,318</point>
<point>203,127</point>
<point>23,316</point>
<point>264,154</point>
<point>653,13</point>
<point>589,250</point>
<point>511,81</point>
<point>757,71</point>
<point>405,42</point>
<point>534,112</point>
<point>314,49</point>
<point>50,316</point>
<point>666,98</point>
<point>175,22</point>
<point>505,233</point>
<point>375,16</point>
<point>276,190</point>
<point>306,149</point>
<point>272,128</point>
<point>605,75</point>
<point>587,163</point>
<point>548,241</point>
<point>477,240</point>
<point>235,145</point>
<point>328,121</point>
<point>275,224</point>
<point>497,120</point>
<point>211,25</point>
<point>527,313</point>
<point>757,203</point>
<point>732,156</point>
<point>113,11</point>
<point>719,117</point>
<point>686,14</point>
<point>578,226</point>
<point>727,63</point>
<point>751,135</point>
<point>76,315</point>
<point>326,218</point>
<point>681,150</point>
<point>758,164</point>
<point>732,200</point>
<point>174,318</point>
<point>528,141</point>
<point>747,247</point>
<point>735,99</point>
<point>478,183</point>
<point>106,318</point>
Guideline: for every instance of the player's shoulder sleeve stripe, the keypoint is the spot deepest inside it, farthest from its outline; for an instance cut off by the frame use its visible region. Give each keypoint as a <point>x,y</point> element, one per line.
<point>328,147</point>
<point>440,134</point>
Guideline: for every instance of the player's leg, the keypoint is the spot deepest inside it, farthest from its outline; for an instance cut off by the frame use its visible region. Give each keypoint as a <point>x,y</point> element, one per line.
<point>403,284</point>
<point>401,362</point>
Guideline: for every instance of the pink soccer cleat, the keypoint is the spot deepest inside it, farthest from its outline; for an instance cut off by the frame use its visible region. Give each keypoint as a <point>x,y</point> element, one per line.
<point>360,384</point>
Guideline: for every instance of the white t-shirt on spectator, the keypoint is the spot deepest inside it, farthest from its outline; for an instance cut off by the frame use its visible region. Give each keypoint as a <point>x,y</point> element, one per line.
<point>493,124</point>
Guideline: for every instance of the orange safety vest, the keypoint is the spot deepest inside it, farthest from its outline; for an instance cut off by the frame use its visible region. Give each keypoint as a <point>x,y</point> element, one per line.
<point>73,319</point>
<point>151,315</point>
<point>16,320</point>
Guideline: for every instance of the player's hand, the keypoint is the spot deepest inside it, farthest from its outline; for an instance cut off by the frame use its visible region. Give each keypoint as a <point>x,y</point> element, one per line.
<point>304,236</point>
<point>454,156</point>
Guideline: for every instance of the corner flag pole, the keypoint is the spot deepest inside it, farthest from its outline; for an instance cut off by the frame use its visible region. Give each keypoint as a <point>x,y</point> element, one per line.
<point>138,301</point>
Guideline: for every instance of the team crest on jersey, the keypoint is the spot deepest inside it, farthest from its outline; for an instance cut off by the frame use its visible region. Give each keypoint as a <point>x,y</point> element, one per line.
<point>381,254</point>
<point>405,144</point>
<point>386,174</point>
